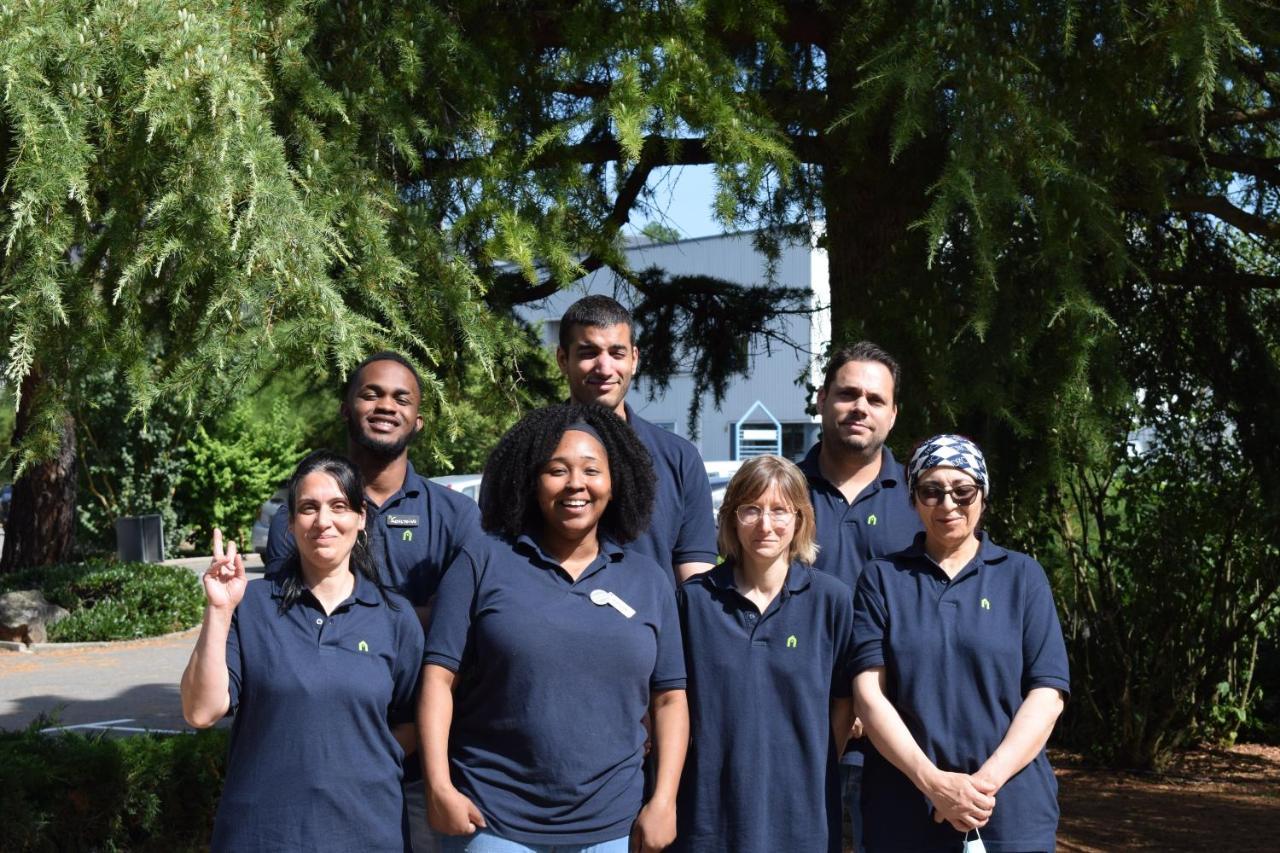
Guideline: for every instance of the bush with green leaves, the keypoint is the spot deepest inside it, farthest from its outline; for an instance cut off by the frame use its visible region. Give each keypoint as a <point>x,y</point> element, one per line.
<point>115,601</point>
<point>78,792</point>
<point>235,465</point>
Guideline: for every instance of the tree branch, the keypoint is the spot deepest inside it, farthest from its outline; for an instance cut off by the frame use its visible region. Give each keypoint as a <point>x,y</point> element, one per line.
<point>1216,121</point>
<point>1219,206</point>
<point>1217,280</point>
<point>1266,168</point>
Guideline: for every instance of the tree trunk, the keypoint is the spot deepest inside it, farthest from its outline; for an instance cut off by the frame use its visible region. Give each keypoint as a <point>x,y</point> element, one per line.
<point>42,515</point>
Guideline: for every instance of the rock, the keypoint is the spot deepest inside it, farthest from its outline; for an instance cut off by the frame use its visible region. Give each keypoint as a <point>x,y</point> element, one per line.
<point>25,614</point>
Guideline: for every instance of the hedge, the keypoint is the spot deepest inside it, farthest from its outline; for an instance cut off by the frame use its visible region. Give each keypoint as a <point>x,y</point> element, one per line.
<point>115,601</point>
<point>73,792</point>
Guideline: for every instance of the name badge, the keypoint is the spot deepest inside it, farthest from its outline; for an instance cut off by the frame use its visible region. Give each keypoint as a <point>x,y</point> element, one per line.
<point>402,521</point>
<point>600,598</point>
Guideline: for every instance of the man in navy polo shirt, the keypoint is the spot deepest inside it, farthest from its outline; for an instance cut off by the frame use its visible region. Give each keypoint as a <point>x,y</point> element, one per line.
<point>597,354</point>
<point>416,528</point>
<point>859,493</point>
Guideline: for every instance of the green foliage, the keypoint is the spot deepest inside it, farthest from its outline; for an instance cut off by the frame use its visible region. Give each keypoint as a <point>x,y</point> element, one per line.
<point>131,463</point>
<point>1170,566</point>
<point>115,601</point>
<point>77,792</point>
<point>232,470</point>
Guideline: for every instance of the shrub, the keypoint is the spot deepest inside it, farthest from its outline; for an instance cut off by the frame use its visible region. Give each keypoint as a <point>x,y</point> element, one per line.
<point>118,601</point>
<point>78,792</point>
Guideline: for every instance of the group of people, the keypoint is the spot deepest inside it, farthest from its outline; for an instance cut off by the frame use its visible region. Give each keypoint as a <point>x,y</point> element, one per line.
<point>589,661</point>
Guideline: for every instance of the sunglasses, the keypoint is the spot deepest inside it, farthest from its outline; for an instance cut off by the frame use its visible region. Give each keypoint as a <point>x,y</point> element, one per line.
<point>931,494</point>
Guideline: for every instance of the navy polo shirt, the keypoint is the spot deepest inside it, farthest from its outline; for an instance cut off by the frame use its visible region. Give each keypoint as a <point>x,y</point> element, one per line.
<point>683,528</point>
<point>878,522</point>
<point>312,763</point>
<point>959,656</point>
<point>547,738</point>
<point>762,772</point>
<point>413,536</point>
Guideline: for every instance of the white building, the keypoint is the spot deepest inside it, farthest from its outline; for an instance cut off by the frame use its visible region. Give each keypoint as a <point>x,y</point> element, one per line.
<point>763,412</point>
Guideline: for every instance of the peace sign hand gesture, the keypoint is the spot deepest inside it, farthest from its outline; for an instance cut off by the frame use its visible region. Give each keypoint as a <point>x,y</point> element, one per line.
<point>225,581</point>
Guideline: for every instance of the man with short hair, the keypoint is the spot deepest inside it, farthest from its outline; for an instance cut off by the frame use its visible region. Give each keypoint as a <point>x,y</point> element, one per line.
<point>598,356</point>
<point>859,494</point>
<point>415,527</point>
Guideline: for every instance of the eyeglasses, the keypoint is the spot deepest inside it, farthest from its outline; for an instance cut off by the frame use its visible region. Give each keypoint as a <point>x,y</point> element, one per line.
<point>750,514</point>
<point>931,494</point>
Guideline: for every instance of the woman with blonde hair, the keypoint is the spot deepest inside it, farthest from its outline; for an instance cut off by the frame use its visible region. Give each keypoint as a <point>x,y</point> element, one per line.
<point>767,640</point>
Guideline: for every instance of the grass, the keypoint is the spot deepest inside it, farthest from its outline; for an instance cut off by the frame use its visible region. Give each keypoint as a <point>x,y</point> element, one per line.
<point>115,601</point>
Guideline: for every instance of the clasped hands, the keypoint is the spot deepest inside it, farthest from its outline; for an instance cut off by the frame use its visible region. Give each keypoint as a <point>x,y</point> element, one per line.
<point>963,800</point>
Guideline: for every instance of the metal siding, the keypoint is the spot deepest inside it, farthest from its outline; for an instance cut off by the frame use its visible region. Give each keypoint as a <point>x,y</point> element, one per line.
<point>773,376</point>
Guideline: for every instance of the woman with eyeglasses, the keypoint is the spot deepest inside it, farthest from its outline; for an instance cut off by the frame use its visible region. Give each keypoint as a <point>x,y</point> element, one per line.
<point>767,645</point>
<point>961,673</point>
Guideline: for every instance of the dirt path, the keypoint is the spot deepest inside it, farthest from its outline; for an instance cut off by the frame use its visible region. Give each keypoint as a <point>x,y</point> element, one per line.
<point>1209,799</point>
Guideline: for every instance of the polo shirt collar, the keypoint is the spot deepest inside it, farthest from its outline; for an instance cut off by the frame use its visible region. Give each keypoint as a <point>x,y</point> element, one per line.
<point>526,542</point>
<point>365,591</point>
<point>799,577</point>
<point>412,486</point>
<point>988,551</point>
<point>889,467</point>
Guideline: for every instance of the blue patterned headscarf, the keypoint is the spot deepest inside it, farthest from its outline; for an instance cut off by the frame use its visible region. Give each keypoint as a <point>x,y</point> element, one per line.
<point>949,451</point>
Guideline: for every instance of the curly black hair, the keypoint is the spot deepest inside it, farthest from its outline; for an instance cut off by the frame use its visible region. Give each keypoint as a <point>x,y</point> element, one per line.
<point>508,506</point>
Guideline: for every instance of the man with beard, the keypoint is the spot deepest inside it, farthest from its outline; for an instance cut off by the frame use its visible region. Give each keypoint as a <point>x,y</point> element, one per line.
<point>859,494</point>
<point>415,527</point>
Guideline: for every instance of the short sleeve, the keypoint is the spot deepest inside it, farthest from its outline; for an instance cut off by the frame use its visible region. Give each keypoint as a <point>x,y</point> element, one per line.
<point>668,669</point>
<point>842,647</point>
<point>870,624</point>
<point>451,615</point>
<point>1044,652</point>
<point>696,540</point>
<point>280,544</point>
<point>235,664</point>
<point>406,669</point>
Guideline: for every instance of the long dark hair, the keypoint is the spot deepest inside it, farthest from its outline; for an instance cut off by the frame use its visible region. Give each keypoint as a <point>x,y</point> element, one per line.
<point>351,484</point>
<point>508,505</point>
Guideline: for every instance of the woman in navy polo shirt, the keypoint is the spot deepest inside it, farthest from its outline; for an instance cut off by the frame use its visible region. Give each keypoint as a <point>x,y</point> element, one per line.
<point>767,644</point>
<point>319,663</point>
<point>962,673</point>
<point>549,644</point>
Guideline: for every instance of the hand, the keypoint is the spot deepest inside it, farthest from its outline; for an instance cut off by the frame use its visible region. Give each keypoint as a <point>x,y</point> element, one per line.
<point>451,812</point>
<point>958,799</point>
<point>225,581</point>
<point>855,731</point>
<point>655,827</point>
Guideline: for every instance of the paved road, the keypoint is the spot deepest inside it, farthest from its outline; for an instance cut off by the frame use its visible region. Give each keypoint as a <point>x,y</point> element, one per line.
<point>128,685</point>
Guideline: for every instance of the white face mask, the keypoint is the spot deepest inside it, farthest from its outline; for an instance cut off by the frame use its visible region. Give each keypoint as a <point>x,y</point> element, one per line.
<point>974,845</point>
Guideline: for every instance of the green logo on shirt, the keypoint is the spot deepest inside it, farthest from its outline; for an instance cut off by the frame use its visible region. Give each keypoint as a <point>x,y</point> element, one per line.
<point>407,536</point>
<point>362,646</point>
<point>986,604</point>
<point>791,641</point>
<point>871,519</point>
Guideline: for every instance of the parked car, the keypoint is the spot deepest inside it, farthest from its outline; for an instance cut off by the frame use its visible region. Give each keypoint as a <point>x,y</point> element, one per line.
<point>467,484</point>
<point>718,486</point>
<point>722,467</point>
<point>262,525</point>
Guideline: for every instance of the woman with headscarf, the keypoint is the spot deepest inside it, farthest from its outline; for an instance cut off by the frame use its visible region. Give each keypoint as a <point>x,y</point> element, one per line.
<point>548,645</point>
<point>767,643</point>
<point>961,673</point>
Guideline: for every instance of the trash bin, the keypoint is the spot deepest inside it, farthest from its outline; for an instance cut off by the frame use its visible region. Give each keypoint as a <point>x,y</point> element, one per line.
<point>140,539</point>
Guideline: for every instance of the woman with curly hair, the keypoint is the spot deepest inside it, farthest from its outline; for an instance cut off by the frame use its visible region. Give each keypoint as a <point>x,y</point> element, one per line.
<point>548,646</point>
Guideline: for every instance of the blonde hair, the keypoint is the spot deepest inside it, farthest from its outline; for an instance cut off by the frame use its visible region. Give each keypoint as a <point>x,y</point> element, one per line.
<point>752,480</point>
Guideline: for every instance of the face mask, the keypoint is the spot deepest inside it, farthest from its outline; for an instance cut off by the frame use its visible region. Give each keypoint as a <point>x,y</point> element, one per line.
<point>974,845</point>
